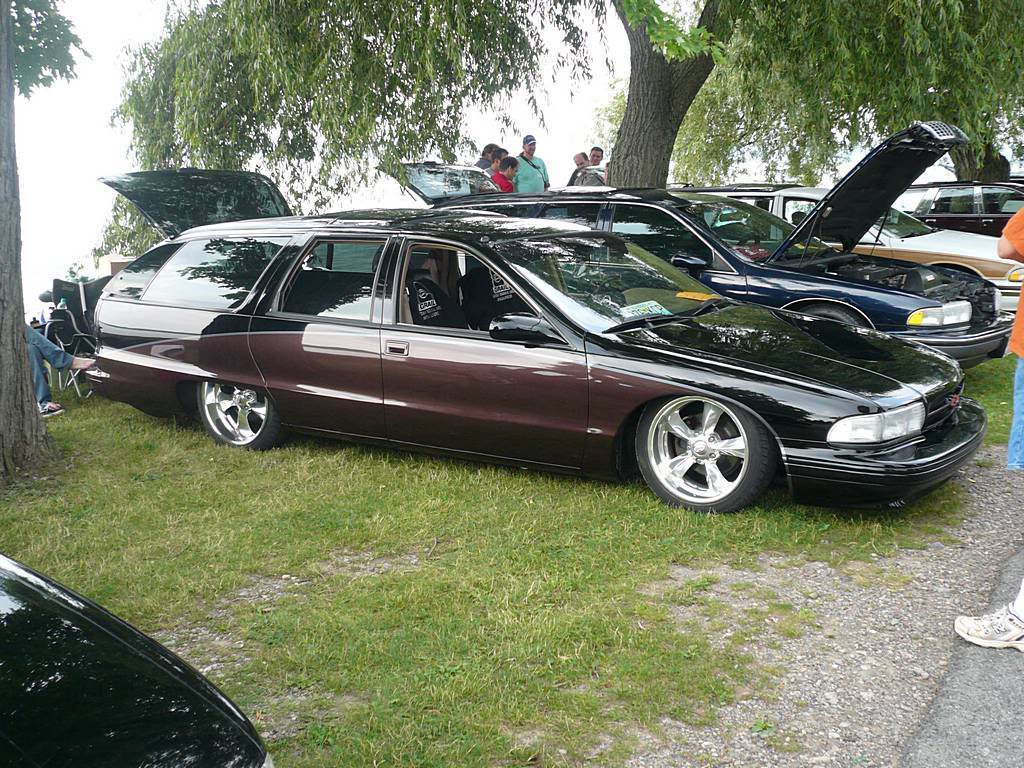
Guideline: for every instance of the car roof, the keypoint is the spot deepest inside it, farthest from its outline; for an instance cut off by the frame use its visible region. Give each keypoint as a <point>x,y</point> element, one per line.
<point>745,186</point>
<point>1015,183</point>
<point>583,194</point>
<point>788,188</point>
<point>467,226</point>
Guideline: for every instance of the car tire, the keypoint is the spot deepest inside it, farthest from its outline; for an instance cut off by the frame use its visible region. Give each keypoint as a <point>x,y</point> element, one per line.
<point>241,417</point>
<point>835,312</point>
<point>701,453</point>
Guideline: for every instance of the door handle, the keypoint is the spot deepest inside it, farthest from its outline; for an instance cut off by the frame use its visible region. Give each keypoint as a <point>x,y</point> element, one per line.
<point>929,221</point>
<point>400,348</point>
<point>987,221</point>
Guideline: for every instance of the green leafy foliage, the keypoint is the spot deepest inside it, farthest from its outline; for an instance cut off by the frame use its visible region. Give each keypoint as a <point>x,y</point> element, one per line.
<point>323,92</point>
<point>44,45</point>
<point>798,84</point>
<point>668,33</point>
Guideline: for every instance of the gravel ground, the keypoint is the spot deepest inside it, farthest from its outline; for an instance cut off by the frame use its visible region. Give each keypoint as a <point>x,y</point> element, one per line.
<point>857,683</point>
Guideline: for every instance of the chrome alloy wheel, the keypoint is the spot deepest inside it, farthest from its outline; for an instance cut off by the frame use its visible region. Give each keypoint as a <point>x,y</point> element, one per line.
<point>698,448</point>
<point>237,415</point>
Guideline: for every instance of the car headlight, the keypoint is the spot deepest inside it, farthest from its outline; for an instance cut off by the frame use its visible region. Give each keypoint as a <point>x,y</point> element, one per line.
<point>954,313</point>
<point>1016,275</point>
<point>881,427</point>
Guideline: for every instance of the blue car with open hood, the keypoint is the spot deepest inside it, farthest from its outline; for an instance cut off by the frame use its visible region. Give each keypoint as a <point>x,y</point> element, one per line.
<point>746,253</point>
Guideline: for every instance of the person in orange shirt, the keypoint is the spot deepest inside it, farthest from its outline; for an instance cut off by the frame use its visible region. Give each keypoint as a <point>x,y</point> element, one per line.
<point>1005,627</point>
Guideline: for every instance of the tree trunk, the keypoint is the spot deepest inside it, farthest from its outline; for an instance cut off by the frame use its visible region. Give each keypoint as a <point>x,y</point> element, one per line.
<point>660,93</point>
<point>23,438</point>
<point>989,166</point>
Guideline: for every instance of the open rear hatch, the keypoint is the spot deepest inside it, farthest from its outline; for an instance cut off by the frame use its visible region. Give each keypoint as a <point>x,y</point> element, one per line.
<point>177,200</point>
<point>435,182</point>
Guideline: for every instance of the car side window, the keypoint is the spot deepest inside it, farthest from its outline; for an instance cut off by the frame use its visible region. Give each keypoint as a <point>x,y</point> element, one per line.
<point>578,213</point>
<point>214,274</point>
<point>445,287</point>
<point>911,200</point>
<point>794,209</point>
<point>1001,200</point>
<point>132,280</point>
<point>658,232</point>
<point>336,280</point>
<point>953,200</point>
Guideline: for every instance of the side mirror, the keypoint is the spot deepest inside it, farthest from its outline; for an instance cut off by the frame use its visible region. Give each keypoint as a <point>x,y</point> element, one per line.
<point>691,261</point>
<point>520,326</point>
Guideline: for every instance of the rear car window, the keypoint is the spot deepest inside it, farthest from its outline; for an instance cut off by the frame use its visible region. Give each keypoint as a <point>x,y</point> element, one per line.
<point>1001,200</point>
<point>515,211</point>
<point>132,280</point>
<point>336,280</point>
<point>214,274</point>
<point>953,200</point>
<point>578,213</point>
<point>910,200</point>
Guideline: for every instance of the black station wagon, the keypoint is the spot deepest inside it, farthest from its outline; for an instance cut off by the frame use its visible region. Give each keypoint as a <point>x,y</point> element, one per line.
<point>744,252</point>
<point>526,342</point>
<point>978,207</point>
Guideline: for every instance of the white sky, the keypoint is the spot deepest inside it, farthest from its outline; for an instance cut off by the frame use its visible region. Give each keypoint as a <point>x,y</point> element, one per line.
<point>65,140</point>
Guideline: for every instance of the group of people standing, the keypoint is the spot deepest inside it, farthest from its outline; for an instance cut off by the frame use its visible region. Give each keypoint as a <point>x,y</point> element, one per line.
<point>527,172</point>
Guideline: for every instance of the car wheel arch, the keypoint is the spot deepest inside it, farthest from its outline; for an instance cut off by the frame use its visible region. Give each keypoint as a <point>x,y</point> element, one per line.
<point>798,304</point>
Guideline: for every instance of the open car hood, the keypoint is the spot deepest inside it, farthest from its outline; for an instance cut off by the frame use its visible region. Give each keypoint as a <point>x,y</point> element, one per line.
<point>862,196</point>
<point>177,200</point>
<point>434,182</point>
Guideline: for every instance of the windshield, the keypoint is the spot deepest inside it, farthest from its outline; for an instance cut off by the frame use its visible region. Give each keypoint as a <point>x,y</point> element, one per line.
<point>899,224</point>
<point>752,232</point>
<point>599,283</point>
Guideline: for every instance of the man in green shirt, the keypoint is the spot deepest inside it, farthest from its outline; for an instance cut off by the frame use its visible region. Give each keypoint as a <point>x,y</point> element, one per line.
<point>532,175</point>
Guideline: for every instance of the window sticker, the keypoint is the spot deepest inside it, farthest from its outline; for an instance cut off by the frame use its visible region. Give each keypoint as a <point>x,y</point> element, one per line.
<point>643,309</point>
<point>695,295</point>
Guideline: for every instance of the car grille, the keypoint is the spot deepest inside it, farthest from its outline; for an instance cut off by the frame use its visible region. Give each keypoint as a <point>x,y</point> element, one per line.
<point>941,407</point>
<point>941,131</point>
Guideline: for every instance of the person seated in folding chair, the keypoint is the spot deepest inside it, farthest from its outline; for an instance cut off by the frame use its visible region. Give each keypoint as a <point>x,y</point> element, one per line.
<point>40,348</point>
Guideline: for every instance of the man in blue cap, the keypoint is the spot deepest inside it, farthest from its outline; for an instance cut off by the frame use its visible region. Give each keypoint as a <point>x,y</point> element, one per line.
<point>532,175</point>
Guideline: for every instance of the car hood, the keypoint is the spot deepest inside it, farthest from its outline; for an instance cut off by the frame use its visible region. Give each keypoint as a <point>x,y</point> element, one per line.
<point>79,686</point>
<point>863,195</point>
<point>176,200</point>
<point>873,365</point>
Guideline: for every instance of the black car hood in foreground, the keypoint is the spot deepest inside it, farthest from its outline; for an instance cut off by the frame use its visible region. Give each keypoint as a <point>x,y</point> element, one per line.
<point>868,191</point>
<point>80,688</point>
<point>873,365</point>
<point>176,200</point>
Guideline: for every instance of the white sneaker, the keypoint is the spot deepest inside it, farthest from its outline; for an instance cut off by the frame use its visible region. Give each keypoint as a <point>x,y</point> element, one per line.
<point>1002,629</point>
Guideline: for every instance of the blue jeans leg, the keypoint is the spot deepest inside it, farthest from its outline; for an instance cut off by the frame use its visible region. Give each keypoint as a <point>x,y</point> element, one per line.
<point>1015,453</point>
<point>39,383</point>
<point>41,348</point>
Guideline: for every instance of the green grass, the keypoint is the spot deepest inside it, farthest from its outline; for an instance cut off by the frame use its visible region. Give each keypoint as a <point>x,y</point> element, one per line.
<point>520,635</point>
<point>991,383</point>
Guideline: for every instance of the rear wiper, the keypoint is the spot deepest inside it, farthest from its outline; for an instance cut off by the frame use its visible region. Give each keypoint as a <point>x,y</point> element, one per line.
<point>650,321</point>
